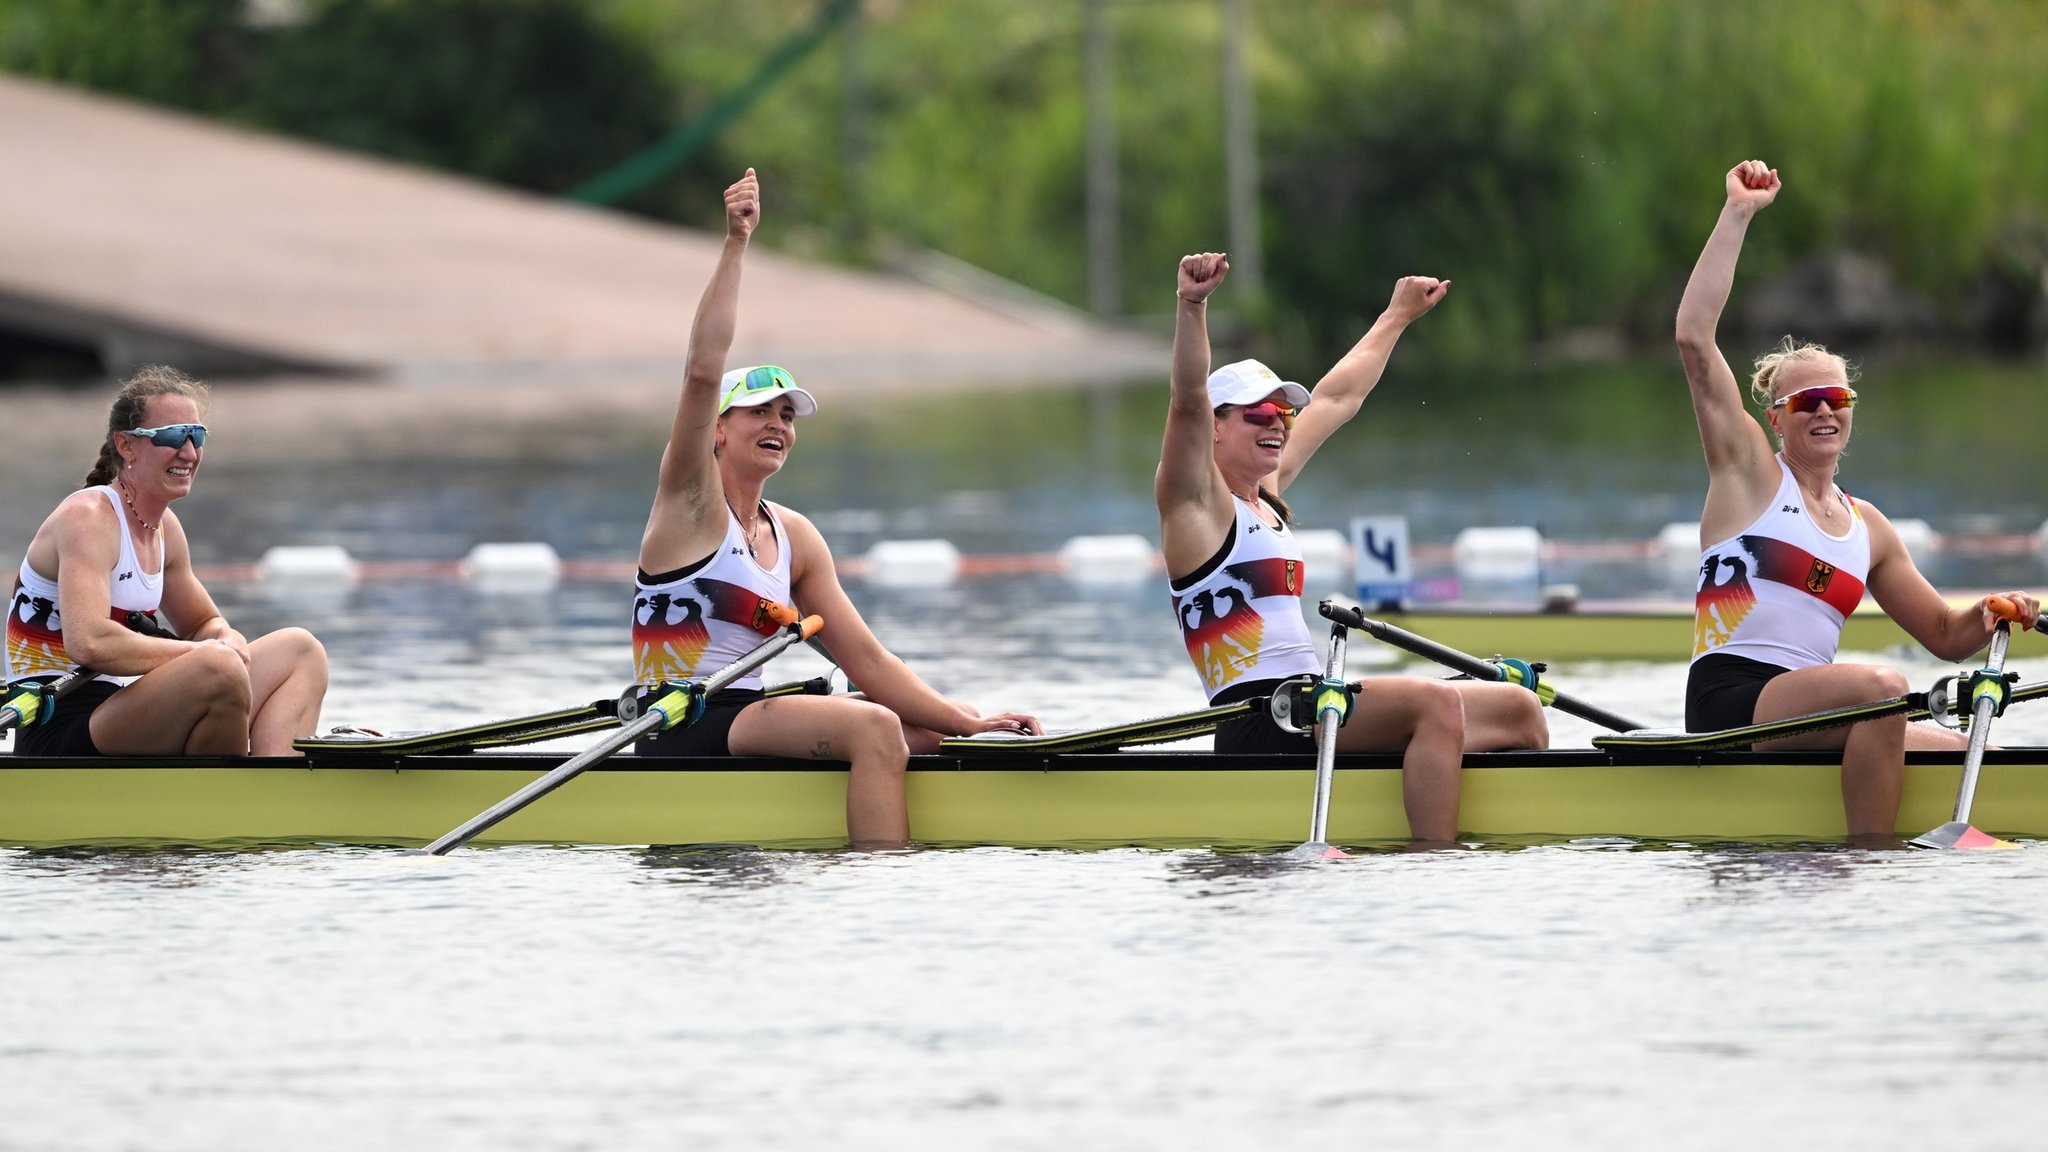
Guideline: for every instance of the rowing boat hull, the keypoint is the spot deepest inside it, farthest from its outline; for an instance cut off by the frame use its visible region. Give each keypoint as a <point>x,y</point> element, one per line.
<point>1156,799</point>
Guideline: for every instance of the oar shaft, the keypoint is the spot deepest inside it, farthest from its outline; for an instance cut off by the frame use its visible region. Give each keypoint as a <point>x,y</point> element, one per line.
<point>1973,760</point>
<point>1980,726</point>
<point>656,718</point>
<point>1328,720</point>
<point>559,775</point>
<point>1470,665</point>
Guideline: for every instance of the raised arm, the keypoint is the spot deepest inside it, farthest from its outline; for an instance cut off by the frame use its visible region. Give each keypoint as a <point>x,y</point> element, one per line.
<point>688,518</point>
<point>1194,502</point>
<point>1740,471</point>
<point>1346,385</point>
<point>879,673</point>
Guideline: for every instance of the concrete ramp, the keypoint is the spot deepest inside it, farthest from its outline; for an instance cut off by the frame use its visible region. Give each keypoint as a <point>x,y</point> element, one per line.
<point>152,235</point>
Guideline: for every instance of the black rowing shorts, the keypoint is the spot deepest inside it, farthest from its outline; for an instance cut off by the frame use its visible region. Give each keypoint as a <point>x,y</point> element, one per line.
<point>67,729</point>
<point>1721,691</point>
<point>707,737</point>
<point>1256,734</point>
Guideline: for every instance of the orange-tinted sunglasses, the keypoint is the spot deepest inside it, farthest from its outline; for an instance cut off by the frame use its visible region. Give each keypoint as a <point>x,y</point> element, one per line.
<point>1835,396</point>
<point>1265,412</point>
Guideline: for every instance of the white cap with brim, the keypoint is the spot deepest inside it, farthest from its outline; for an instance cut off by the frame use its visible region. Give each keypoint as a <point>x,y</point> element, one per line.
<point>1248,382</point>
<point>747,387</point>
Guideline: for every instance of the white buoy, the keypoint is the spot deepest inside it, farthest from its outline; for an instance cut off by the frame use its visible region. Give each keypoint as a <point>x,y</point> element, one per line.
<point>524,567</point>
<point>1678,548</point>
<point>914,563</point>
<point>1920,539</point>
<point>1327,554</point>
<point>1125,559</point>
<point>1499,555</point>
<point>308,564</point>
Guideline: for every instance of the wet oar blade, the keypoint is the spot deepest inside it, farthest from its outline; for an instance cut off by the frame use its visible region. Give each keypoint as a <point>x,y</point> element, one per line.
<point>1960,834</point>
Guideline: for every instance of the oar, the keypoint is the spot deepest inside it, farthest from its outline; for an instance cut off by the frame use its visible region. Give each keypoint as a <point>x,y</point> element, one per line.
<point>1745,735</point>
<point>674,707</point>
<point>1988,691</point>
<point>35,702</point>
<point>1333,703</point>
<point>1505,672</point>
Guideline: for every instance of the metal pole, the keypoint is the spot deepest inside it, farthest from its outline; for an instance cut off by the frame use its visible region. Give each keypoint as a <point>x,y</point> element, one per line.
<point>1241,151</point>
<point>1105,278</point>
<point>853,126</point>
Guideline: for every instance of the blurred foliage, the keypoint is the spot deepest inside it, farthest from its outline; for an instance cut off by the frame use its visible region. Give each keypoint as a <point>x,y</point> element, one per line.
<point>1560,160</point>
<point>533,93</point>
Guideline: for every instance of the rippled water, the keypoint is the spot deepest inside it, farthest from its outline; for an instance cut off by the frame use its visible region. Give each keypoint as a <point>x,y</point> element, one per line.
<point>1554,996</point>
<point>1605,994</point>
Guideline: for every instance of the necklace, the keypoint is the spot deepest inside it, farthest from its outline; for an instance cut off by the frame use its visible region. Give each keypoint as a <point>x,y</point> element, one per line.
<point>128,498</point>
<point>746,529</point>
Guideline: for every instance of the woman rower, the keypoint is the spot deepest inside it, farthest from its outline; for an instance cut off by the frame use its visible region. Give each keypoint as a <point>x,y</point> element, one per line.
<point>1786,555</point>
<point>714,549</point>
<point>115,549</point>
<point>1233,445</point>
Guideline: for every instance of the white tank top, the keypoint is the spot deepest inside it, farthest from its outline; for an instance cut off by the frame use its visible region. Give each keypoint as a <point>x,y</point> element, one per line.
<point>1779,590</point>
<point>1240,614</point>
<point>694,621</point>
<point>35,629</point>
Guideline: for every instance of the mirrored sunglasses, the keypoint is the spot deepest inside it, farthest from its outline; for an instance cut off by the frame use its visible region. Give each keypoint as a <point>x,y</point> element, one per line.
<point>1265,412</point>
<point>1835,396</point>
<point>759,380</point>
<point>173,435</point>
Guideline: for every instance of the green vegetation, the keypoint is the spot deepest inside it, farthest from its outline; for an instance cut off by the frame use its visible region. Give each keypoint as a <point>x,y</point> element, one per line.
<point>1559,159</point>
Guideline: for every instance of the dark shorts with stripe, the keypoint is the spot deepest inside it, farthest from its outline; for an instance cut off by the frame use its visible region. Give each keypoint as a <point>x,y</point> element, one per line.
<point>1721,691</point>
<point>67,729</point>
<point>707,737</point>
<point>1256,734</point>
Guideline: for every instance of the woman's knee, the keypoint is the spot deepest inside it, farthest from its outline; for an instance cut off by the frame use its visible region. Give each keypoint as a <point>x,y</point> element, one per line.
<point>297,649</point>
<point>1887,682</point>
<point>216,673</point>
<point>1526,725</point>
<point>877,731</point>
<point>1438,707</point>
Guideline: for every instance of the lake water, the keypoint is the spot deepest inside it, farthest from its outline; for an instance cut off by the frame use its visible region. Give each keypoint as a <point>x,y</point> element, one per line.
<point>1586,994</point>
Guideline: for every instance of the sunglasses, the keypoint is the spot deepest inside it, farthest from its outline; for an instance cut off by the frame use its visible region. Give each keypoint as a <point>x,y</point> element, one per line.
<point>1264,413</point>
<point>1835,396</point>
<point>758,380</point>
<point>173,435</point>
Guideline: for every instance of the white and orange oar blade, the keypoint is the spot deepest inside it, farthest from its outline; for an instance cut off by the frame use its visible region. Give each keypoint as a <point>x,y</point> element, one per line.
<point>1962,836</point>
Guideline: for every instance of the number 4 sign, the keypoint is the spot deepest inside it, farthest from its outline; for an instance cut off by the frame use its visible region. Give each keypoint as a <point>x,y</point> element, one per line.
<point>1379,550</point>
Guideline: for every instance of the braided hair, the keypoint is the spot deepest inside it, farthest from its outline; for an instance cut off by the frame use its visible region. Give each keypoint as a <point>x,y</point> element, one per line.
<point>129,404</point>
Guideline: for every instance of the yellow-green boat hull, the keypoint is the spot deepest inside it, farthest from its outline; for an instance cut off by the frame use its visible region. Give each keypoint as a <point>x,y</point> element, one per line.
<point>1161,799</point>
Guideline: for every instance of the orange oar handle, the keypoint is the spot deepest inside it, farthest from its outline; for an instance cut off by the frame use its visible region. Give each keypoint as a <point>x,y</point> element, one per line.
<point>2007,610</point>
<point>812,626</point>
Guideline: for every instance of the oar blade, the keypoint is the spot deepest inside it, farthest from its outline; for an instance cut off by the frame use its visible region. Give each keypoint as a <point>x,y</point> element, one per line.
<point>1961,835</point>
<point>1317,850</point>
